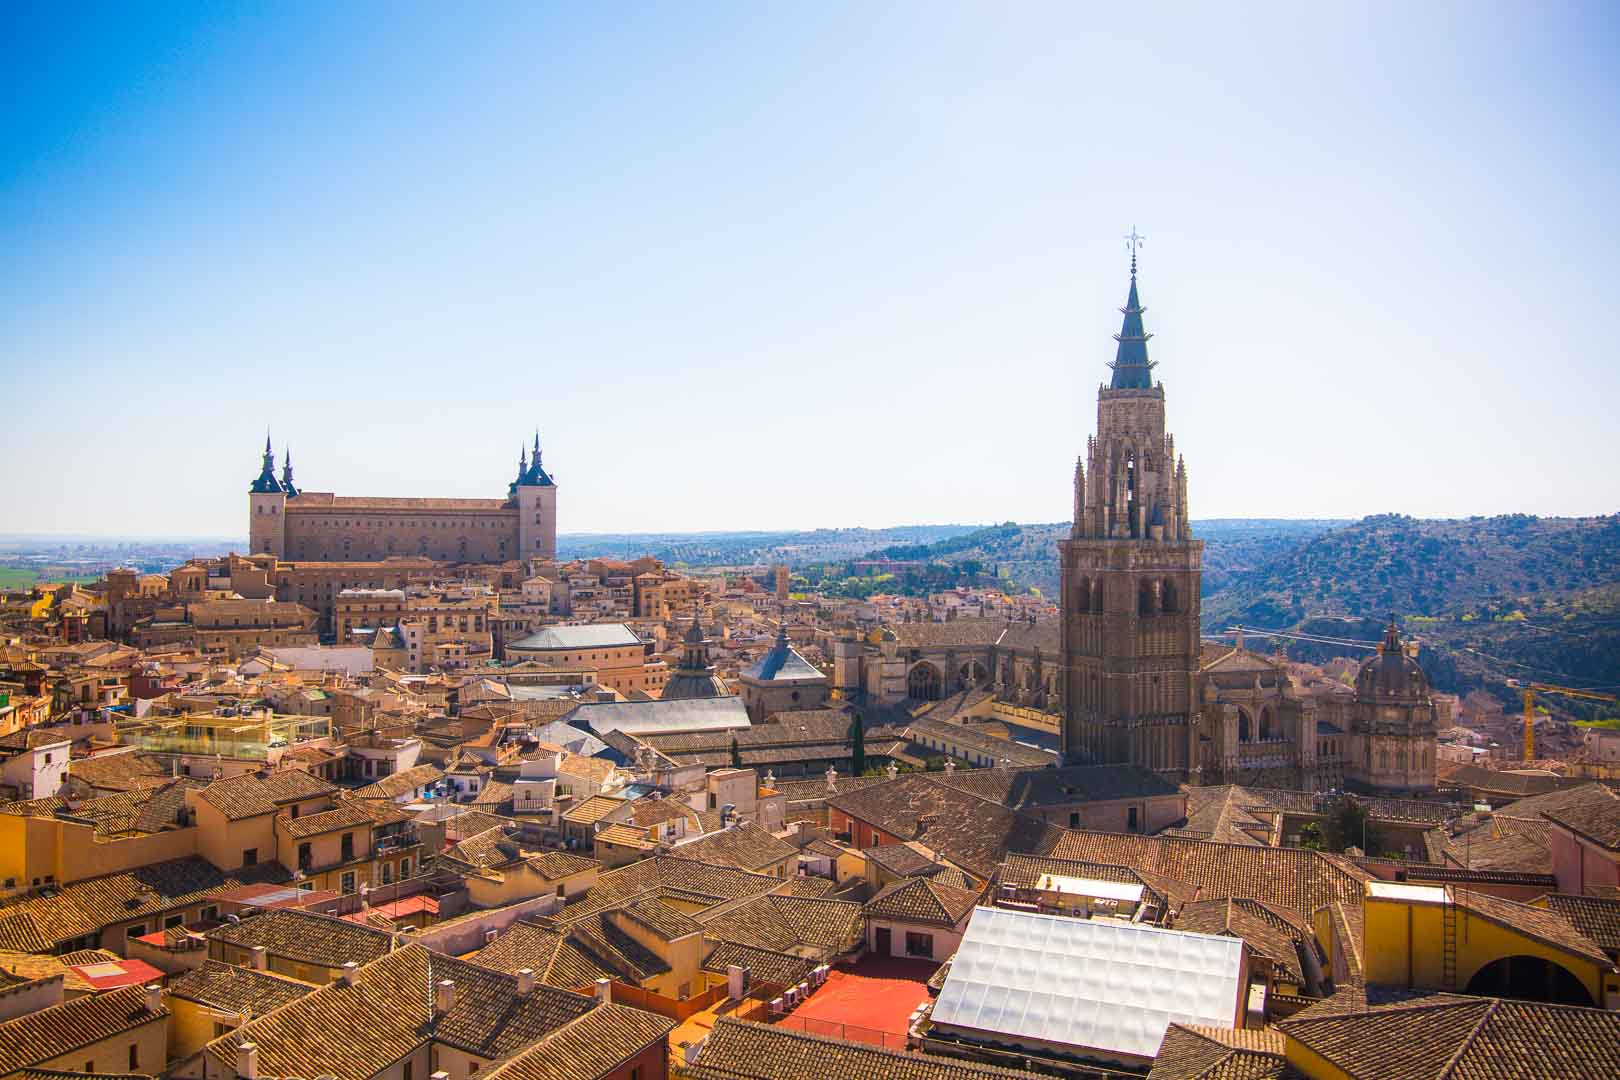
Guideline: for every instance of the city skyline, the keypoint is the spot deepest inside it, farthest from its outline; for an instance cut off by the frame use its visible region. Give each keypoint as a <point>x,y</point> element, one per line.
<point>876,254</point>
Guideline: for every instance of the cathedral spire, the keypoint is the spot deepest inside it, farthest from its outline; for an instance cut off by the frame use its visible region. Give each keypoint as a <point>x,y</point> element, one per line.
<point>1132,368</point>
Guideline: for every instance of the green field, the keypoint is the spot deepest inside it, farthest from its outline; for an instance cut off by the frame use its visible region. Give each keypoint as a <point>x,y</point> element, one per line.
<point>16,578</point>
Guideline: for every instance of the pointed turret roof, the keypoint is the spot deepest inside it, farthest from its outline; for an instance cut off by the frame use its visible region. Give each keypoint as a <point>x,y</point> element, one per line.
<point>287,473</point>
<point>535,476</point>
<point>267,484</point>
<point>1132,368</point>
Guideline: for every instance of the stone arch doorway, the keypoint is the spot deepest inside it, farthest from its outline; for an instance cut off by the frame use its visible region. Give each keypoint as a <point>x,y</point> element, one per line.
<point>1529,978</point>
<point>925,683</point>
<point>974,674</point>
<point>1244,731</point>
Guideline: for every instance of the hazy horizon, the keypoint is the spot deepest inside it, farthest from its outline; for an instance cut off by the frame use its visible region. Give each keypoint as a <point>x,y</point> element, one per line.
<point>788,264</point>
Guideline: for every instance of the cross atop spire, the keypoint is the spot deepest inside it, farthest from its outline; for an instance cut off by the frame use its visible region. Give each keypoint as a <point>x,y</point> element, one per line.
<point>1134,242</point>
<point>1132,368</point>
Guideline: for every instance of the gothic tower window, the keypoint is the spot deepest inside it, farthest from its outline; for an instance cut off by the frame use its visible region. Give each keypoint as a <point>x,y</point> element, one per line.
<point>1082,595</point>
<point>1144,598</point>
<point>1167,596</point>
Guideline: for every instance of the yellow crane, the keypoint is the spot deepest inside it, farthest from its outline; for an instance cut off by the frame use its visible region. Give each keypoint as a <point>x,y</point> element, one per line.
<point>1530,691</point>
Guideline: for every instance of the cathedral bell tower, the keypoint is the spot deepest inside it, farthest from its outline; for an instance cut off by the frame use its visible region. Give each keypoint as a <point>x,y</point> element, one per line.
<point>1131,574</point>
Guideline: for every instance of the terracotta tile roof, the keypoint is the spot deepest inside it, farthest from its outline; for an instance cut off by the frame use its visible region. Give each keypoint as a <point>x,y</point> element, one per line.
<point>388,1012</point>
<point>764,965</point>
<point>697,881</point>
<point>739,1050</point>
<point>626,836</point>
<point>661,919</point>
<point>964,828</point>
<point>19,967</point>
<point>19,932</point>
<point>345,815</point>
<point>554,865</point>
<point>60,1029</point>
<point>252,794</point>
<point>744,845</point>
<point>404,782</point>
<point>127,813</point>
<point>1472,1039</point>
<point>547,951</point>
<point>1196,1052</point>
<point>89,906</point>
<point>922,900</point>
<point>1025,871</point>
<point>811,886</point>
<point>306,937</point>
<point>1296,878</point>
<point>1593,811</point>
<point>973,738</point>
<point>491,848</point>
<point>1271,933</point>
<point>901,860</point>
<point>1546,926</point>
<point>1597,917</point>
<point>956,632</point>
<point>236,989</point>
<point>592,810</point>
<point>588,1047</point>
<point>783,923</point>
<point>126,771</point>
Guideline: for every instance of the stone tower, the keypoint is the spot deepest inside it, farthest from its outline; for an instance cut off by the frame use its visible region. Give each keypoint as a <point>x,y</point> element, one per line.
<point>1131,573</point>
<point>267,505</point>
<point>537,510</point>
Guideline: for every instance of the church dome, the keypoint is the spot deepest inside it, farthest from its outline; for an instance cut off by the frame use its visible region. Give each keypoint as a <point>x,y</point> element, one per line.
<point>1391,674</point>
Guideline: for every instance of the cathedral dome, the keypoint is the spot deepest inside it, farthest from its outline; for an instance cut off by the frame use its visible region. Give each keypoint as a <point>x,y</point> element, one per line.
<point>1391,674</point>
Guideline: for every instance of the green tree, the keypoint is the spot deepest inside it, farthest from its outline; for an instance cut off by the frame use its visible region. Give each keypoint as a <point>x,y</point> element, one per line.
<point>1347,824</point>
<point>736,754</point>
<point>857,745</point>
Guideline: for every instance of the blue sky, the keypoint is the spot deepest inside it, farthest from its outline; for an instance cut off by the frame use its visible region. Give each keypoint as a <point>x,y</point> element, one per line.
<point>800,265</point>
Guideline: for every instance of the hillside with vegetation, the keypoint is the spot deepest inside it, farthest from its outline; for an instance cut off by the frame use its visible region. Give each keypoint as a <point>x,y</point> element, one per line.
<point>1490,599</point>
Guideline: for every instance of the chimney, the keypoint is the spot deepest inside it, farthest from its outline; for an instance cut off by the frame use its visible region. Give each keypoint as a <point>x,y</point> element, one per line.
<point>525,978</point>
<point>247,1061</point>
<point>832,778</point>
<point>894,771</point>
<point>444,997</point>
<point>350,969</point>
<point>154,997</point>
<point>604,990</point>
<point>260,958</point>
<point>950,766</point>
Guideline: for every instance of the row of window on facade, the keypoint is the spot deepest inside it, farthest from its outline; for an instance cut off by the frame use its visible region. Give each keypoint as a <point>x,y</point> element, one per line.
<point>1153,597</point>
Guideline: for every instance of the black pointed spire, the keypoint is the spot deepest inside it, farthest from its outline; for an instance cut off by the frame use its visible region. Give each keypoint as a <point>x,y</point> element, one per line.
<point>286,471</point>
<point>266,484</point>
<point>1132,368</point>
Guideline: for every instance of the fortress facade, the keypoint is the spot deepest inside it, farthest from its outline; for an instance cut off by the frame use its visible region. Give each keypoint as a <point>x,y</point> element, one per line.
<point>318,526</point>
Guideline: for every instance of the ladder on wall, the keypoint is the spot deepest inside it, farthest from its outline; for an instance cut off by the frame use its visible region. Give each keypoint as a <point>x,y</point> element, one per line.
<point>1448,943</point>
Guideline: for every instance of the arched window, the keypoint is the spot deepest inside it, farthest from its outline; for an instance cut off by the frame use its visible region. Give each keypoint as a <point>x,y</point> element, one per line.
<point>1243,726</point>
<point>1383,760</point>
<point>1144,599</point>
<point>1265,724</point>
<point>1082,595</point>
<point>1167,596</point>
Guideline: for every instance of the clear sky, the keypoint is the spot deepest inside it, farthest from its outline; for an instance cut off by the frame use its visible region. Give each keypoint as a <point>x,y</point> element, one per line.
<point>790,265</point>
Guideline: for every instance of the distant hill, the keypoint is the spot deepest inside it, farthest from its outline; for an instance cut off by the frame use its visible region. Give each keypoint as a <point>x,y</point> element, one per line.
<point>1489,598</point>
<point>1399,565</point>
<point>1026,555</point>
<point>749,548</point>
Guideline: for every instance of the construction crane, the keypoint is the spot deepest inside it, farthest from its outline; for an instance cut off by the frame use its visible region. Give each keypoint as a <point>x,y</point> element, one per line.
<point>1530,691</point>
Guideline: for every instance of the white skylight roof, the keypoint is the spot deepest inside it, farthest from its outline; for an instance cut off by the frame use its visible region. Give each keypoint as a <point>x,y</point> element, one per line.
<point>1089,983</point>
